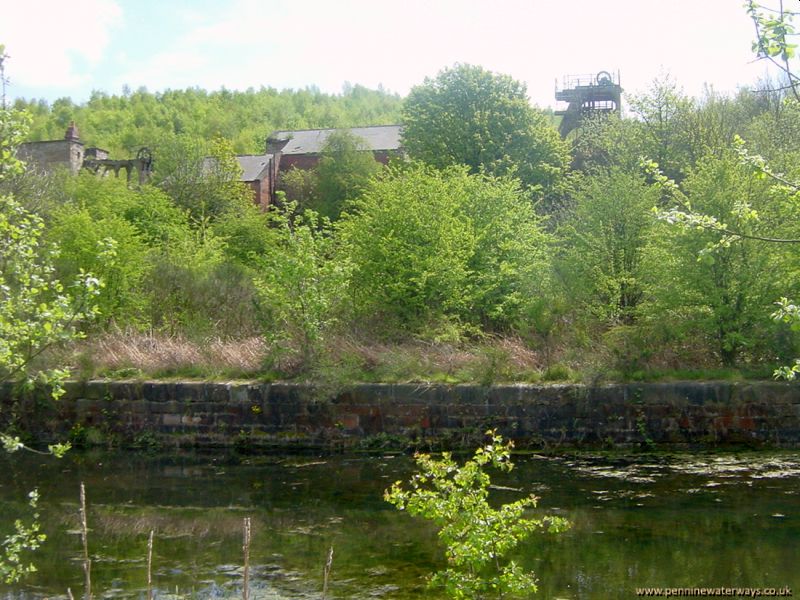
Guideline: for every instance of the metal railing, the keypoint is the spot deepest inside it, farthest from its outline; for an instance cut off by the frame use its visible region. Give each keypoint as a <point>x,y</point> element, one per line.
<point>569,82</point>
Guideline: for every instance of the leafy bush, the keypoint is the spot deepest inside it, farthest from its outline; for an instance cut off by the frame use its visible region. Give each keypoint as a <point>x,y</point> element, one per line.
<point>432,249</point>
<point>36,310</point>
<point>722,286</point>
<point>204,179</point>
<point>300,287</point>
<point>113,250</point>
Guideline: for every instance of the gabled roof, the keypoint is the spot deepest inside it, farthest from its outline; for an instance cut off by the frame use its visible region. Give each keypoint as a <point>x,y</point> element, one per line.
<point>311,141</point>
<point>253,165</point>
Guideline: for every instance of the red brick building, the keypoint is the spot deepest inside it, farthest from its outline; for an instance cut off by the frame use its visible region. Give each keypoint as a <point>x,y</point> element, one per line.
<point>259,172</point>
<point>302,149</point>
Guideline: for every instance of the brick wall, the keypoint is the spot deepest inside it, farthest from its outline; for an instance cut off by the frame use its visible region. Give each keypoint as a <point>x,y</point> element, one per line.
<point>297,416</point>
<point>53,154</point>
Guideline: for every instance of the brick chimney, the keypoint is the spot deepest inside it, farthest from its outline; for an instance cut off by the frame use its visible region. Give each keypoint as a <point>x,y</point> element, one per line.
<point>72,133</point>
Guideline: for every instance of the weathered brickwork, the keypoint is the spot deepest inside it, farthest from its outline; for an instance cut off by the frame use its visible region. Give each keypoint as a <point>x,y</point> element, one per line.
<point>295,416</point>
<point>53,154</point>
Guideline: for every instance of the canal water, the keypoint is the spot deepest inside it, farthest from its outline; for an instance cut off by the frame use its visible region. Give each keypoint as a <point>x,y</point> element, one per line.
<point>708,520</point>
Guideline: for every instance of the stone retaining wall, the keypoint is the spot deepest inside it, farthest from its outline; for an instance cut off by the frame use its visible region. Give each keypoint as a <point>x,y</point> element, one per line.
<point>373,415</point>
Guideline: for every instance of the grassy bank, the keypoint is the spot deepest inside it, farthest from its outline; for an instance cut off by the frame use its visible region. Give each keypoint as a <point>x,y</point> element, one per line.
<point>491,360</point>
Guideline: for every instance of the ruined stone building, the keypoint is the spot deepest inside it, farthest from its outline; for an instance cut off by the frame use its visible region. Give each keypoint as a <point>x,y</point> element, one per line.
<point>71,154</point>
<point>68,153</point>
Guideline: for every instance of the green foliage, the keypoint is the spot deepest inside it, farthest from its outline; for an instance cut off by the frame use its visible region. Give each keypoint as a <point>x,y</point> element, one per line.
<point>788,313</point>
<point>125,122</point>
<point>36,311</point>
<point>663,114</point>
<point>13,129</point>
<point>300,186</point>
<point>409,247</point>
<point>105,227</point>
<point>774,35</point>
<point>469,116</point>
<point>26,538</point>
<point>300,287</point>
<point>245,236</point>
<point>607,141</point>
<point>477,537</point>
<point>775,135</point>
<point>344,171</point>
<point>192,289</point>
<point>160,269</point>
<point>558,372</point>
<point>604,239</point>
<point>110,248</point>
<point>720,284</point>
<point>438,255</point>
<point>431,247</point>
<point>208,187</point>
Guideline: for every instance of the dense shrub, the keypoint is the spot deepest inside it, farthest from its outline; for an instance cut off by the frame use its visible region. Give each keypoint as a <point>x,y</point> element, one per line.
<point>430,248</point>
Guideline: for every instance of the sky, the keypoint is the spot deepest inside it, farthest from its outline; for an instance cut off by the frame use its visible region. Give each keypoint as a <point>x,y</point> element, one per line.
<point>59,48</point>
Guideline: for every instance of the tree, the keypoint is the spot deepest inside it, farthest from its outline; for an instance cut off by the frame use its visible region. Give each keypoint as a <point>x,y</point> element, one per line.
<point>477,537</point>
<point>605,237</point>
<point>774,30</point>
<point>207,186</point>
<point>469,116</point>
<point>742,223</point>
<point>299,283</point>
<point>663,113</point>
<point>716,271</point>
<point>343,172</point>
<point>36,312</point>
<point>300,186</point>
<point>608,141</point>
<point>432,249</point>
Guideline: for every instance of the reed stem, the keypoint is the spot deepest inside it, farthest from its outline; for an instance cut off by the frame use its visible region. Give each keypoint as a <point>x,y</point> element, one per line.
<point>87,563</point>
<point>326,572</point>
<point>150,567</point>
<point>246,549</point>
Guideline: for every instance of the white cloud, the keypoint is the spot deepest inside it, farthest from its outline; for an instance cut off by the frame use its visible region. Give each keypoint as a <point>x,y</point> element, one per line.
<point>282,44</point>
<point>279,43</point>
<point>49,41</point>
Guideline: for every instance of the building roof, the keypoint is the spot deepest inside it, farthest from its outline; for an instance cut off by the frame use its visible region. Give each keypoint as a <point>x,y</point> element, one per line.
<point>253,165</point>
<point>311,141</point>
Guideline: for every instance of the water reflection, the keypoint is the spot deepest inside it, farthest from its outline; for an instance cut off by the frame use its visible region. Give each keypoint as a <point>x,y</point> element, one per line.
<point>677,521</point>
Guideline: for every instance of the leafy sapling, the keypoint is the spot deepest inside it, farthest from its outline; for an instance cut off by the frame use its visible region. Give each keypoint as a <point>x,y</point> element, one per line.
<point>477,537</point>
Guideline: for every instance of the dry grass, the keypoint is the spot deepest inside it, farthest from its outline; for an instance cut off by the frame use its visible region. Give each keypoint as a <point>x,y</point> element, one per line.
<point>345,359</point>
<point>153,353</point>
<point>495,359</point>
<point>349,359</point>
